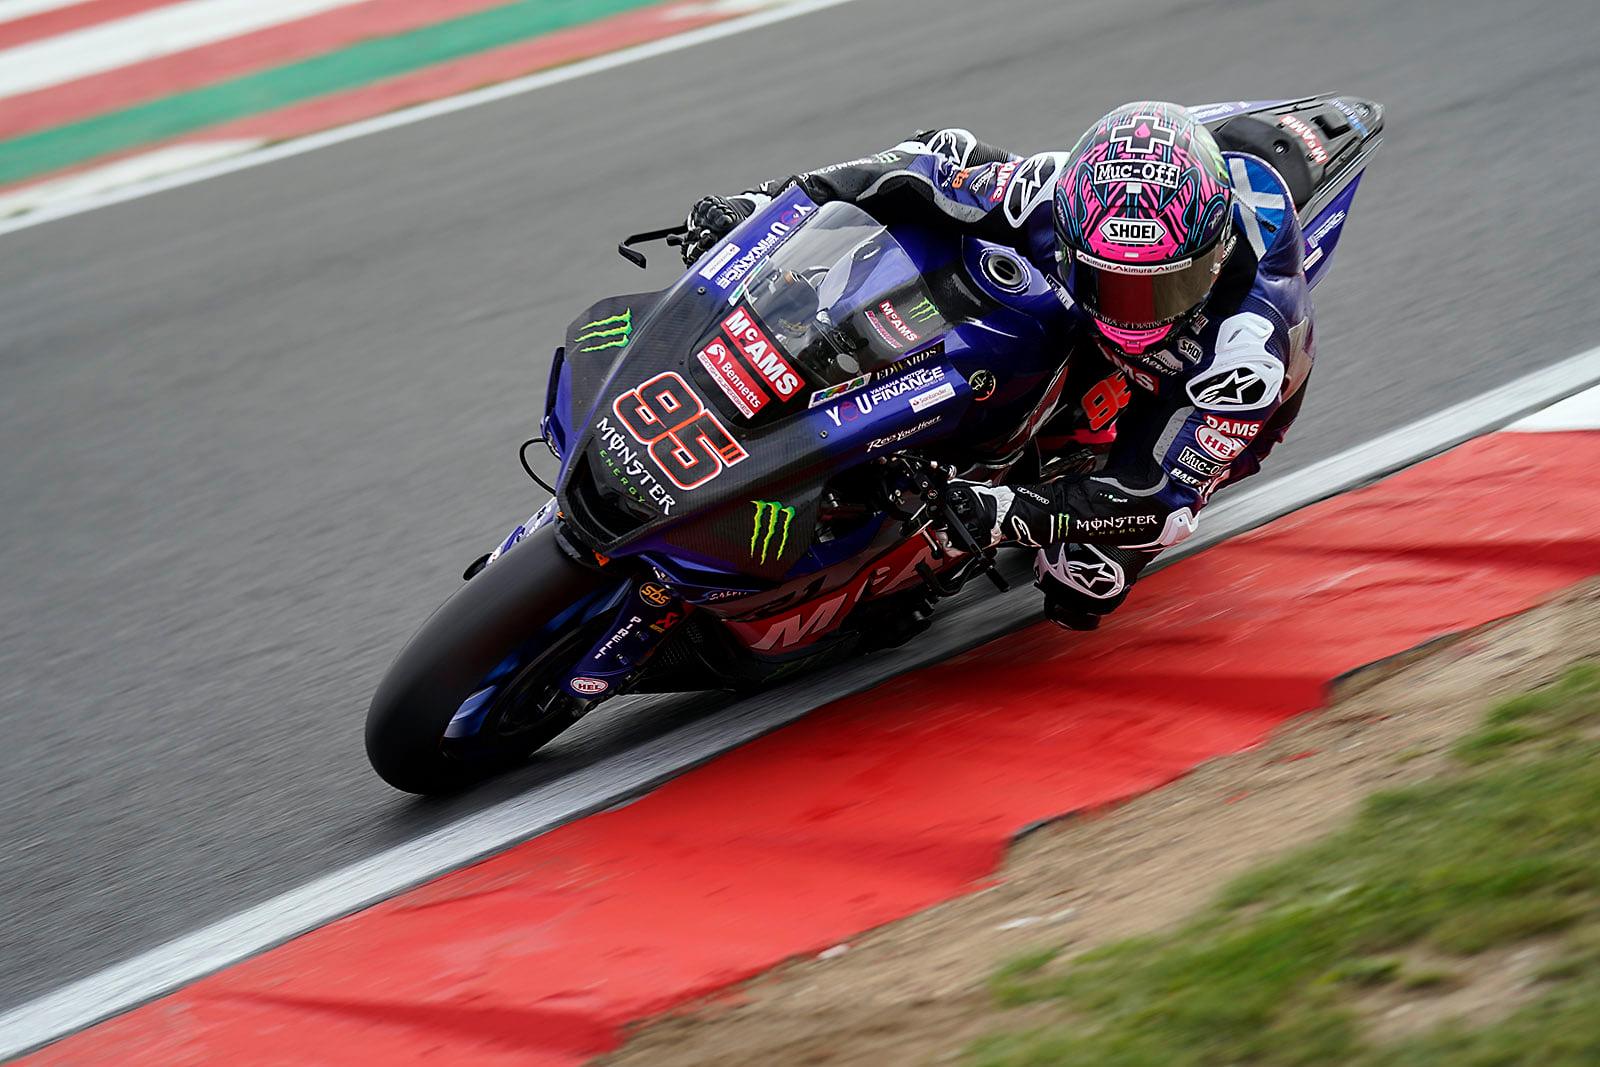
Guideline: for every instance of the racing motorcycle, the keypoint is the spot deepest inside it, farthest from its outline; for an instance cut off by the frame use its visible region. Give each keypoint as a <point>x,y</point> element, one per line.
<point>752,461</point>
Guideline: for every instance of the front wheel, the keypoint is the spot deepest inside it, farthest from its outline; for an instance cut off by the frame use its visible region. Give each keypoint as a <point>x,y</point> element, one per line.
<point>475,691</point>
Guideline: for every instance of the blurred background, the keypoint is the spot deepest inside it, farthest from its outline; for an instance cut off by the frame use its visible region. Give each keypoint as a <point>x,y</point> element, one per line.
<point>254,427</point>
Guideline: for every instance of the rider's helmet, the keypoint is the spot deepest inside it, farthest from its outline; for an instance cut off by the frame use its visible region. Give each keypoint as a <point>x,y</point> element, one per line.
<point>1143,218</point>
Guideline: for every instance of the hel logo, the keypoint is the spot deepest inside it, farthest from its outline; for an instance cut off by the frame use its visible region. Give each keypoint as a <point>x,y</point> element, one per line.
<point>757,348</point>
<point>589,686</point>
<point>766,524</point>
<point>1217,443</point>
<point>1133,231</point>
<point>1141,134</point>
<point>613,332</point>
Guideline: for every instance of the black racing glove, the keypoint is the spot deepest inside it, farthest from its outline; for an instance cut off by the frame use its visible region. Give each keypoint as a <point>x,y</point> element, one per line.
<point>710,220</point>
<point>981,509</point>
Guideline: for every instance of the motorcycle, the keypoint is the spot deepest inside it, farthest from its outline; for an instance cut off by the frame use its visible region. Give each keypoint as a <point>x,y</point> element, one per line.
<point>753,461</point>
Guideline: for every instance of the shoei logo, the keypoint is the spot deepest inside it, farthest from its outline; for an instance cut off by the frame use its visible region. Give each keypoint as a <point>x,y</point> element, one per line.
<point>613,332</point>
<point>1133,231</point>
<point>772,519</point>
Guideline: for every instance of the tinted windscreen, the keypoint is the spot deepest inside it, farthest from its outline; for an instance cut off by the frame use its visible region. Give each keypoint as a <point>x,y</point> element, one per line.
<point>842,297</point>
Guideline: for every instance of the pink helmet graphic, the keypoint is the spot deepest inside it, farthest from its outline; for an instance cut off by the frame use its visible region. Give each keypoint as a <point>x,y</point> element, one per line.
<point>1142,215</point>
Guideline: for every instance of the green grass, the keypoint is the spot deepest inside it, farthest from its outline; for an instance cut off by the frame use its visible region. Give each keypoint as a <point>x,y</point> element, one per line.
<point>1502,849</point>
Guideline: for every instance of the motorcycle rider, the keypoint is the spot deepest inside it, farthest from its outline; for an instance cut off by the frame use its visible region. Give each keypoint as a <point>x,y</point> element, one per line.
<point>1191,336</point>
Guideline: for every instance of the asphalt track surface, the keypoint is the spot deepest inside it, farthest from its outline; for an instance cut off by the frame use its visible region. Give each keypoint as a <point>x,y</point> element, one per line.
<point>253,428</point>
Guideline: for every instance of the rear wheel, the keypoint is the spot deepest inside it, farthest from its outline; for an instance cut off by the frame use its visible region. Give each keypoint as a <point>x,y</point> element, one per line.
<point>475,691</point>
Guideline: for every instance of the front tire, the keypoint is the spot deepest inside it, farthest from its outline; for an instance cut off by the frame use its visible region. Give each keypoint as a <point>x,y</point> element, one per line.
<point>524,610</point>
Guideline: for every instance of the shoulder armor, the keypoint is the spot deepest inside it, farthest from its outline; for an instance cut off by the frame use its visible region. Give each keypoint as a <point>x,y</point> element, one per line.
<point>954,144</point>
<point>1244,374</point>
<point>1032,183</point>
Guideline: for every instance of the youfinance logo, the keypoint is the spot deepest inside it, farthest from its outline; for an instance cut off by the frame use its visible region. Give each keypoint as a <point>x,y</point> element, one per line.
<point>772,519</point>
<point>613,332</point>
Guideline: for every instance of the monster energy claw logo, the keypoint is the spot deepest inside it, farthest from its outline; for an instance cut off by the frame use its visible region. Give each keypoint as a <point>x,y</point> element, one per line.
<point>922,310</point>
<point>766,525</point>
<point>613,332</point>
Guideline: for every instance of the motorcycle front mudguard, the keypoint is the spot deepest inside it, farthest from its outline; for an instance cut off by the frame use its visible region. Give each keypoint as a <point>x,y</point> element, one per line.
<point>522,607</point>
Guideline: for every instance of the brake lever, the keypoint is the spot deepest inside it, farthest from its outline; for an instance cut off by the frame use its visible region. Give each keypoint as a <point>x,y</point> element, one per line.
<point>929,481</point>
<point>982,558</point>
<point>636,257</point>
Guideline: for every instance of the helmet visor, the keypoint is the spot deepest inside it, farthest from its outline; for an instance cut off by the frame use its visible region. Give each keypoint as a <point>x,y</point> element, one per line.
<point>1134,297</point>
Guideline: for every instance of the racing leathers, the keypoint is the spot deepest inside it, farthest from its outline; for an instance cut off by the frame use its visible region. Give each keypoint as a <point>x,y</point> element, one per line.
<point>1173,423</point>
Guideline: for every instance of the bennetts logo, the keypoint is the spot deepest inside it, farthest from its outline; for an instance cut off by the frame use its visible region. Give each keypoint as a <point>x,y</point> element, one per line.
<point>613,332</point>
<point>771,519</point>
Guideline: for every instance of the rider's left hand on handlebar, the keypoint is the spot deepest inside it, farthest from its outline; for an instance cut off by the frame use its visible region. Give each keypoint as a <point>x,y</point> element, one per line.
<point>711,219</point>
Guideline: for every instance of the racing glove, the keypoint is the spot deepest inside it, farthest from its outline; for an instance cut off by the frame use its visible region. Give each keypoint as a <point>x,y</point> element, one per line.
<point>981,508</point>
<point>991,514</point>
<point>713,217</point>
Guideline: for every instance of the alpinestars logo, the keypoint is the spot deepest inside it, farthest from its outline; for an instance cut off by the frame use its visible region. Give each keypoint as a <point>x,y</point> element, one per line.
<point>1098,579</point>
<point>1240,387</point>
<point>767,525</point>
<point>1032,185</point>
<point>613,332</point>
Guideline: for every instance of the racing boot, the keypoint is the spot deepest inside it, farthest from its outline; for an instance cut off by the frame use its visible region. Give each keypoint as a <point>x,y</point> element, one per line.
<point>1083,583</point>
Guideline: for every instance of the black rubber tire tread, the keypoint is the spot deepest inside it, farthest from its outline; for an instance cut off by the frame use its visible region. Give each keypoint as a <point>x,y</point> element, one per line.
<point>446,660</point>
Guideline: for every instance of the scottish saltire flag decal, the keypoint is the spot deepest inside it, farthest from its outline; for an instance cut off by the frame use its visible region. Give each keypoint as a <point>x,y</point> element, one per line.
<point>1261,201</point>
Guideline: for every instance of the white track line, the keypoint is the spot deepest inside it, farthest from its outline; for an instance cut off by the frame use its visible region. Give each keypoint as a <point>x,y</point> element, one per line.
<point>627,774</point>
<point>160,32</point>
<point>1580,411</point>
<point>12,10</point>
<point>122,172</point>
<point>338,135</point>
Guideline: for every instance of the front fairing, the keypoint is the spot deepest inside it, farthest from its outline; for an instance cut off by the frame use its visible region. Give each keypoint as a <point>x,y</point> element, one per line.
<point>736,489</point>
<point>884,334</point>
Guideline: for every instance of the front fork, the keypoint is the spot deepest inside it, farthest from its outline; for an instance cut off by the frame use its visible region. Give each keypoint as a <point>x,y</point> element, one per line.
<point>648,613</point>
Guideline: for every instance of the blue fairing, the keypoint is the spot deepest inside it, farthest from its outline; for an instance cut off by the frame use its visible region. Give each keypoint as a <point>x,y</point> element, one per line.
<point>1002,316</point>
<point>1323,232</point>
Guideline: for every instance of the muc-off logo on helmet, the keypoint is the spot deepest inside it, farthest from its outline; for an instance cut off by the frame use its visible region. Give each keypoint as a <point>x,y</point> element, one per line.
<point>1138,171</point>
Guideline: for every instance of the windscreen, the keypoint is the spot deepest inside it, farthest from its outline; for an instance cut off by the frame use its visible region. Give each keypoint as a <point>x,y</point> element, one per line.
<point>842,297</point>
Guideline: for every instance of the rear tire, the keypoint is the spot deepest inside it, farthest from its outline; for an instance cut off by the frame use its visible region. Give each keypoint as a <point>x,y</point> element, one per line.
<point>496,615</point>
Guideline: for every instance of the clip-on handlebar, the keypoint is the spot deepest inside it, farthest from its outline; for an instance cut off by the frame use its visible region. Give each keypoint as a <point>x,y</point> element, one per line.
<point>927,483</point>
